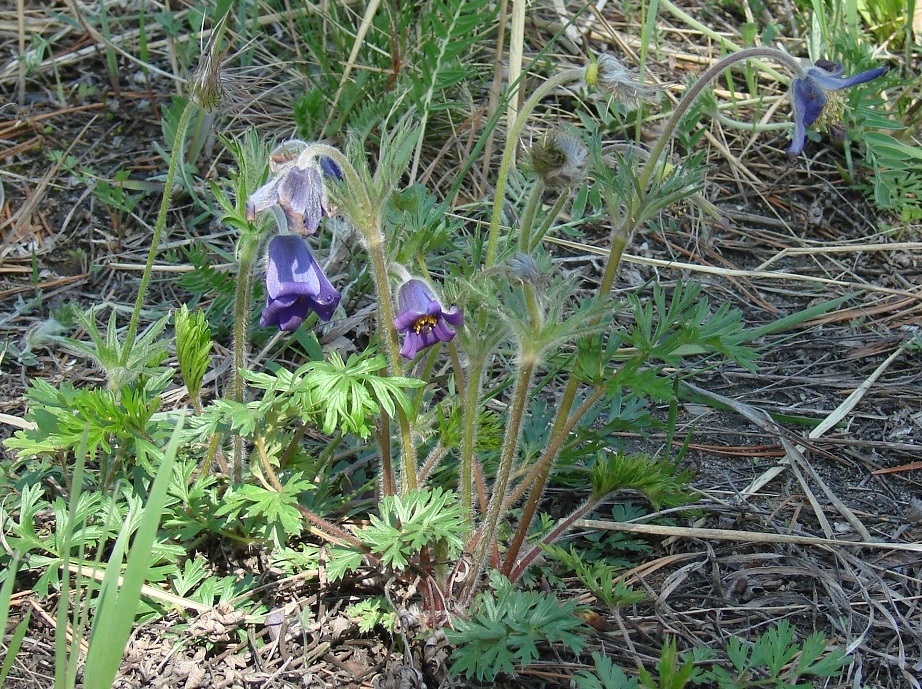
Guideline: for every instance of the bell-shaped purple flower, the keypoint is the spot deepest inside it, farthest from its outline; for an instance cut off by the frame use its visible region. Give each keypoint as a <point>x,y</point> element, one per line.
<point>423,319</point>
<point>295,285</point>
<point>809,95</point>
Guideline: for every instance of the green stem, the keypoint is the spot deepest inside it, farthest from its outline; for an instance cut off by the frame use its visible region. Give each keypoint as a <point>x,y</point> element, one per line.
<point>725,42</point>
<point>176,157</point>
<point>248,251</point>
<point>623,232</point>
<point>548,220</point>
<point>696,90</point>
<point>470,421</point>
<point>509,151</point>
<point>751,126</point>
<point>370,226</point>
<point>507,458</point>
<point>374,240</point>
<point>537,490</point>
<point>528,217</point>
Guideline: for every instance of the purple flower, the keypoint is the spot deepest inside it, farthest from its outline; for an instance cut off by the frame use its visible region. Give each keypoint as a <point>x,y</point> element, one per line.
<point>298,192</point>
<point>295,285</point>
<point>809,94</point>
<point>330,169</point>
<point>423,318</point>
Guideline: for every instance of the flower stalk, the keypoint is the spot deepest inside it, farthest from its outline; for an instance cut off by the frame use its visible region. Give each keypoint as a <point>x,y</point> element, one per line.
<point>248,251</point>
<point>176,156</point>
<point>508,454</point>
<point>512,140</point>
<point>469,423</point>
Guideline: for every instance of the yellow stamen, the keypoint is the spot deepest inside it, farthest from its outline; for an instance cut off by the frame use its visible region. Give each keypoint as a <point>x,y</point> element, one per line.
<point>424,324</point>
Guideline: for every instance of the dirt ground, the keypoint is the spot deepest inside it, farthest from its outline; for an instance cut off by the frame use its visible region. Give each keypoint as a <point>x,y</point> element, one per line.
<point>775,495</point>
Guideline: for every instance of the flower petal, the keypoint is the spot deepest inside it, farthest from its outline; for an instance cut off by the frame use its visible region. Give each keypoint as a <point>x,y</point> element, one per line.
<point>834,82</point>
<point>411,346</point>
<point>330,169</point>
<point>414,295</point>
<point>286,313</point>
<point>300,195</point>
<point>295,284</point>
<point>261,199</point>
<point>453,315</point>
<point>442,332</point>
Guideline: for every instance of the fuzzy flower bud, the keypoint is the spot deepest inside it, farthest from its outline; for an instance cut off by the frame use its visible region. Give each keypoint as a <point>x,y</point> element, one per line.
<point>611,77</point>
<point>559,159</point>
<point>208,85</point>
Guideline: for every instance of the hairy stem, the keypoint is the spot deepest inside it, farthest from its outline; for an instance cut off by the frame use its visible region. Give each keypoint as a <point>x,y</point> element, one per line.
<point>696,90</point>
<point>509,151</point>
<point>375,247</point>
<point>370,226</point>
<point>559,530</point>
<point>528,217</point>
<point>509,451</point>
<point>548,220</point>
<point>538,477</point>
<point>248,252</point>
<point>470,421</point>
<point>176,157</point>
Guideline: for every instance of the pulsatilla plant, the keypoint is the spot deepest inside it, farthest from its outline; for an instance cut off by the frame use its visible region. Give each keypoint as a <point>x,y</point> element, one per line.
<point>487,373</point>
<point>512,334</point>
<point>511,309</point>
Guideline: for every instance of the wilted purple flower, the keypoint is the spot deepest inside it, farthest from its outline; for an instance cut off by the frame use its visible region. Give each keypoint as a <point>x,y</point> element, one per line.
<point>423,318</point>
<point>295,285</point>
<point>810,96</point>
<point>298,191</point>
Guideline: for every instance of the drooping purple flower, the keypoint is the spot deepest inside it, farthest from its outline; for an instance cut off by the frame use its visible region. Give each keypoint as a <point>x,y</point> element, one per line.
<point>421,316</point>
<point>330,169</point>
<point>298,192</point>
<point>297,188</point>
<point>809,94</point>
<point>295,285</point>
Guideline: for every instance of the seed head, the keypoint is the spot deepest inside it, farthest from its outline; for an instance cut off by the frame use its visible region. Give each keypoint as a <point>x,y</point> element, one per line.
<point>559,159</point>
<point>610,76</point>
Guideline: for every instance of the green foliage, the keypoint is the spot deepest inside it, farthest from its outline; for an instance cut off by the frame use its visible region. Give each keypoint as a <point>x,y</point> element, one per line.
<point>773,660</point>
<point>108,351</point>
<point>672,329</point>
<point>268,513</point>
<point>776,660</point>
<point>338,397</point>
<point>658,480</point>
<point>607,676</point>
<point>342,561</point>
<point>115,194</point>
<point>506,627</point>
<point>897,182</point>
<point>409,522</point>
<point>671,672</point>
<point>372,612</point>
<point>449,31</point>
<point>597,577</point>
<point>120,591</point>
<point>118,425</point>
<point>206,280</point>
<point>193,347</point>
